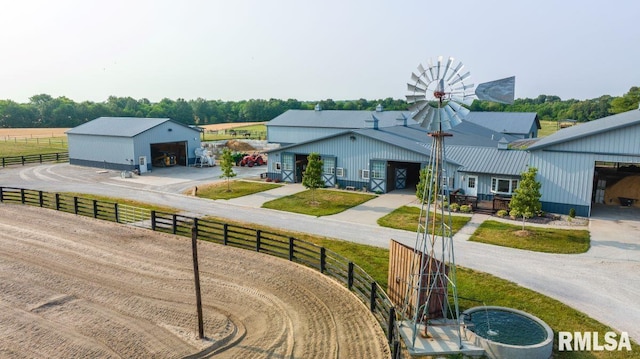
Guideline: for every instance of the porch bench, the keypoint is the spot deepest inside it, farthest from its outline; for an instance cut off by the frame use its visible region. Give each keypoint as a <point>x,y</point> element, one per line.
<point>350,188</point>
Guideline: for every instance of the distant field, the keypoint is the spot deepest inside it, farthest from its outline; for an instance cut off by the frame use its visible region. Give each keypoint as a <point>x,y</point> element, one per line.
<point>226,126</point>
<point>548,128</point>
<point>22,133</point>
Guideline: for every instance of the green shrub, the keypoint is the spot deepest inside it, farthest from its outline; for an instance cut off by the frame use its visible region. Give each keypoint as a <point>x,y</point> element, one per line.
<point>572,213</point>
<point>465,208</point>
<point>502,213</point>
<point>454,207</point>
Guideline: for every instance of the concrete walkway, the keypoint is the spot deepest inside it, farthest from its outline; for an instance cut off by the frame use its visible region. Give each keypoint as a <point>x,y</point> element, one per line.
<point>369,212</point>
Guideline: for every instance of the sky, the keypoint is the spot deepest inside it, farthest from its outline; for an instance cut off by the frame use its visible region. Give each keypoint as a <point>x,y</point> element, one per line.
<point>233,50</point>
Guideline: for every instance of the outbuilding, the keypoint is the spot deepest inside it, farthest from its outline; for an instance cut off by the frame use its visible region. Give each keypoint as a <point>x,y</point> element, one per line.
<point>593,162</point>
<point>130,143</point>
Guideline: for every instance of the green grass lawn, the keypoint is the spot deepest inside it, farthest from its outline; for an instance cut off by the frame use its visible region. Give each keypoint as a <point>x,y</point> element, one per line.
<point>128,202</point>
<point>548,240</point>
<point>234,189</point>
<point>32,146</point>
<point>328,202</point>
<point>406,218</point>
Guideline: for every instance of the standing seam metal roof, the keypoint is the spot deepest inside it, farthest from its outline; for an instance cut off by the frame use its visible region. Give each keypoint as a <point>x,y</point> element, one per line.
<point>120,126</point>
<point>590,128</point>
<point>346,119</point>
<point>505,122</point>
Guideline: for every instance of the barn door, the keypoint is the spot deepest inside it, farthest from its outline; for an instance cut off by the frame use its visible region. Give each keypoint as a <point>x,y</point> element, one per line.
<point>401,178</point>
<point>329,171</point>
<point>378,176</point>
<point>288,167</point>
<point>142,164</point>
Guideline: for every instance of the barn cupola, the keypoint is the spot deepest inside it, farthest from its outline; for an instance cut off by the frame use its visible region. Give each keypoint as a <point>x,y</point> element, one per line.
<point>318,107</point>
<point>379,108</point>
<point>503,144</point>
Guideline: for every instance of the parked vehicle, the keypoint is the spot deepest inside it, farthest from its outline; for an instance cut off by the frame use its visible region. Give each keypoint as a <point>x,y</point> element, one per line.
<point>254,159</point>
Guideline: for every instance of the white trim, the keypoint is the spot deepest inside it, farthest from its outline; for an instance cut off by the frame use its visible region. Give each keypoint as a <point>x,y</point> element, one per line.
<point>340,172</point>
<point>364,174</point>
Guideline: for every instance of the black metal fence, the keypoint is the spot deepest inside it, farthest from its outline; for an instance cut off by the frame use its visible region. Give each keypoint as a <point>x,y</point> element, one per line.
<point>40,158</point>
<point>309,254</point>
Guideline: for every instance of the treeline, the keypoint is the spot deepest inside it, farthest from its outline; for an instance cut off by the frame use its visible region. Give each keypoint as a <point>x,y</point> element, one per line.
<point>45,111</point>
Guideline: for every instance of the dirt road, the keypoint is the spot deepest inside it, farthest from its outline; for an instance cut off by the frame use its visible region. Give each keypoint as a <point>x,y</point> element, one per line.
<point>77,287</point>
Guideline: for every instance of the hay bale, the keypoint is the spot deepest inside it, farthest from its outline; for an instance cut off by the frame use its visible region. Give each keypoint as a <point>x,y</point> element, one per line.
<point>240,146</point>
<point>628,187</point>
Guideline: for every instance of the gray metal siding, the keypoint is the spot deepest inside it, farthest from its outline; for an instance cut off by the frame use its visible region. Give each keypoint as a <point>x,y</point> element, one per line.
<point>107,149</point>
<point>161,134</point>
<point>565,178</point>
<point>353,155</point>
<point>621,141</point>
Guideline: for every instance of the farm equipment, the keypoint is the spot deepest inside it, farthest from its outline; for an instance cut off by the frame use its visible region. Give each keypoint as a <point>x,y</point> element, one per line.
<point>237,157</point>
<point>165,159</point>
<point>254,159</point>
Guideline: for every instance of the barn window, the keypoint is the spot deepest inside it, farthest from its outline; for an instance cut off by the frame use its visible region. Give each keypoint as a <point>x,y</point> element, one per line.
<point>377,169</point>
<point>329,165</point>
<point>287,161</point>
<point>503,185</point>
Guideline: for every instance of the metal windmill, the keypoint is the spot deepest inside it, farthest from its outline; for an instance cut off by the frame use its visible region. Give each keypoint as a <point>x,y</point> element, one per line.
<point>437,95</point>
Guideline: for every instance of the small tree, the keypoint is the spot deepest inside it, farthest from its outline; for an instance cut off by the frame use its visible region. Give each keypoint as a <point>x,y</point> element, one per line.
<point>312,177</point>
<point>425,181</point>
<point>226,165</point>
<point>526,198</point>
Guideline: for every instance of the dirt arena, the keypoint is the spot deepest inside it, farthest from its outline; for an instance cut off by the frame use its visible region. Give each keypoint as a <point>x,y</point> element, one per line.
<point>78,287</point>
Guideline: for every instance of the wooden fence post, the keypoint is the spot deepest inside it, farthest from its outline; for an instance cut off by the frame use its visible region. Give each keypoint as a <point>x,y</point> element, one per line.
<point>75,205</point>
<point>57,201</point>
<point>350,276</point>
<point>258,238</point>
<point>291,248</point>
<point>95,208</point>
<point>40,199</point>
<point>174,224</point>
<point>323,259</point>
<point>115,212</point>
<point>391,323</point>
<point>196,276</point>
<point>225,234</point>
<point>2,191</point>
<point>153,220</point>
<point>22,197</point>
<point>374,287</point>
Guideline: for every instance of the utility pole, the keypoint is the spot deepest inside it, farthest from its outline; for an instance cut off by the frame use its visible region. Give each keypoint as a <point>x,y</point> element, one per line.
<point>196,275</point>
